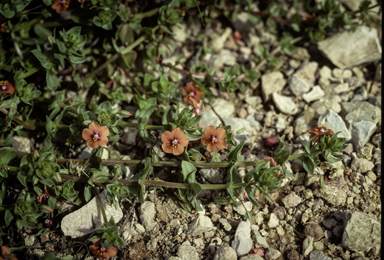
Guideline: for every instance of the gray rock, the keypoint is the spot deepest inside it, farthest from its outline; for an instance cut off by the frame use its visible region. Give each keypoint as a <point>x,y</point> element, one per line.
<point>130,134</point>
<point>85,153</point>
<point>260,239</point>
<point>200,225</point>
<point>365,152</point>
<point>329,223</point>
<point>253,100</point>
<point>318,255</point>
<point>225,108</point>
<point>212,175</point>
<point>29,240</point>
<point>240,208</point>
<point>363,43</point>
<point>335,122</point>
<point>307,245</point>
<point>21,144</point>
<point>315,94</point>
<point>272,82</point>
<point>242,241</point>
<point>224,57</point>
<point>291,200</point>
<point>273,221</point>
<point>334,191</point>
<point>280,124</point>
<point>301,54</point>
<point>313,230</point>
<point>330,102</point>
<point>84,220</point>
<point>344,87</point>
<point>251,257</point>
<point>272,254</point>
<point>361,165</point>
<point>217,44</point>
<point>148,214</point>
<point>305,121</point>
<point>179,32</point>
<point>325,72</point>
<point>253,123</point>
<point>303,139</point>
<point>237,124</point>
<point>187,252</point>
<point>284,104</point>
<point>225,253</point>
<point>361,119</point>
<point>242,22</point>
<point>225,224</point>
<point>303,80</point>
<point>376,140</point>
<point>362,233</point>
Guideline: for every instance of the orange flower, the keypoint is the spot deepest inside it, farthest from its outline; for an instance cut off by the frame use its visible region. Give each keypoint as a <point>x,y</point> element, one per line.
<point>6,87</point>
<point>272,162</point>
<point>319,131</point>
<point>61,6</point>
<point>192,93</point>
<point>174,142</point>
<point>214,138</point>
<point>102,252</point>
<point>96,135</point>
<point>6,254</point>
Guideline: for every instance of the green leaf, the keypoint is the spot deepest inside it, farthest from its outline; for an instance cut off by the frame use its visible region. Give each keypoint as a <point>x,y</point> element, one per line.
<point>309,165</point>
<point>282,156</point>
<point>249,216</point>
<point>187,170</point>
<point>233,155</point>
<point>7,154</point>
<point>87,193</point>
<point>8,217</point>
<point>52,80</point>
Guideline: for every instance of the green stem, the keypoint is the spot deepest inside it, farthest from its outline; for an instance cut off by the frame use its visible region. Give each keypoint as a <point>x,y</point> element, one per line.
<point>28,73</point>
<point>147,14</point>
<point>100,204</point>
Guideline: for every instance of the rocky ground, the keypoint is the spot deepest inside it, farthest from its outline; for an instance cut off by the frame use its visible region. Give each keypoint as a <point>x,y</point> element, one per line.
<point>336,82</point>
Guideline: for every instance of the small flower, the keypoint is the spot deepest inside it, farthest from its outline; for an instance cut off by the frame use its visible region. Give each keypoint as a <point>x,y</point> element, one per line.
<point>102,252</point>
<point>6,254</point>
<point>271,141</point>
<point>96,135</point>
<point>272,162</point>
<point>237,36</point>
<point>6,87</point>
<point>175,141</point>
<point>192,93</point>
<point>319,131</point>
<point>214,138</point>
<point>61,6</point>
<point>48,222</point>
<point>257,251</point>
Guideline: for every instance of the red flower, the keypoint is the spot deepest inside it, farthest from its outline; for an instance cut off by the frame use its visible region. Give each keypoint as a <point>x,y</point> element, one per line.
<point>214,138</point>
<point>102,252</point>
<point>48,222</point>
<point>6,87</point>
<point>6,254</point>
<point>237,36</point>
<point>271,141</point>
<point>319,131</point>
<point>175,141</point>
<point>96,135</point>
<point>272,162</point>
<point>192,93</point>
<point>61,6</point>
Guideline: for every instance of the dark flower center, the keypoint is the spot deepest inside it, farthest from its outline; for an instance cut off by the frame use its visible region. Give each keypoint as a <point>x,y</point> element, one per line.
<point>175,142</point>
<point>95,137</point>
<point>103,249</point>
<point>3,85</point>
<point>214,139</point>
<point>64,3</point>
<point>192,94</point>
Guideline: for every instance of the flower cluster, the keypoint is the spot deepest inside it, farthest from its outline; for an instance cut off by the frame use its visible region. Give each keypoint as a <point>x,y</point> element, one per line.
<point>102,252</point>
<point>95,135</point>
<point>175,141</point>
<point>6,87</point>
<point>193,94</point>
<point>6,254</point>
<point>62,5</point>
<point>319,131</point>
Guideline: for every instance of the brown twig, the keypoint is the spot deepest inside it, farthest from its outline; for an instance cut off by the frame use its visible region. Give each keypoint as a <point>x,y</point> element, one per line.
<point>136,84</point>
<point>19,121</point>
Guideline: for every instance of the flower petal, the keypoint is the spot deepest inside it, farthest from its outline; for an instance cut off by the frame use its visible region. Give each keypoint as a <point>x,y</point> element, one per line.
<point>166,137</point>
<point>102,141</point>
<point>94,249</point>
<point>94,127</point>
<point>177,133</point>
<point>205,139</point>
<point>221,144</point>
<point>178,150</point>
<point>5,250</point>
<point>167,147</point>
<point>212,147</point>
<point>210,130</point>
<point>87,134</point>
<point>112,251</point>
<point>184,140</point>
<point>221,133</point>
<point>92,144</point>
<point>104,131</point>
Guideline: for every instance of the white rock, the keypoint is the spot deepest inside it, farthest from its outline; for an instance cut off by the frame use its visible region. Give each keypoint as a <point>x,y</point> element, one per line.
<point>284,104</point>
<point>344,87</point>
<point>200,225</point>
<point>237,124</point>
<point>253,100</point>
<point>325,72</point>
<point>225,253</point>
<point>147,215</point>
<point>315,94</point>
<point>179,31</point>
<point>222,107</point>
<point>240,208</point>
<point>83,221</point>
<point>129,137</point>
<point>272,82</point>
<point>187,252</point>
<point>242,241</point>
<point>212,175</point>
<point>273,221</point>
<point>21,144</point>
<point>217,44</point>
<point>260,239</point>
<point>280,124</point>
<point>303,80</point>
<point>224,57</point>
<point>335,122</point>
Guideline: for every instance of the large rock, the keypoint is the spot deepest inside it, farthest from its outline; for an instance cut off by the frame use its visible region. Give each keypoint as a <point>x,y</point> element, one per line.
<point>200,225</point>
<point>225,253</point>
<point>222,107</point>
<point>22,144</point>
<point>361,119</point>
<point>363,43</point>
<point>284,104</point>
<point>335,122</point>
<point>303,80</point>
<point>242,242</point>
<point>361,233</point>
<point>187,252</point>
<point>148,214</point>
<point>237,124</point>
<point>84,220</point>
<point>334,191</point>
<point>272,82</point>
<point>305,121</point>
<point>315,94</point>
